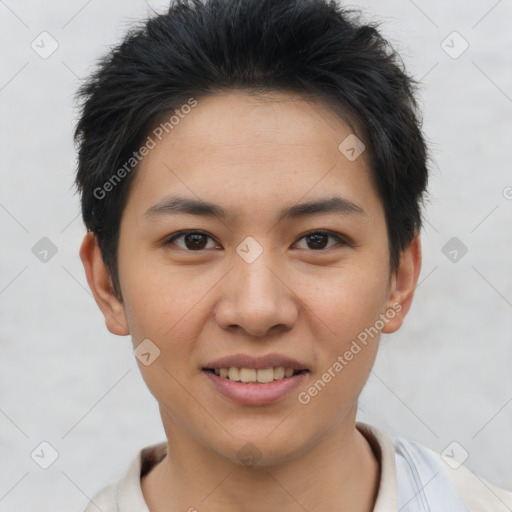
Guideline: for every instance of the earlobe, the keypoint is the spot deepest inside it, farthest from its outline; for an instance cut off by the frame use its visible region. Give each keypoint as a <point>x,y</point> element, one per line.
<point>100,283</point>
<point>403,285</point>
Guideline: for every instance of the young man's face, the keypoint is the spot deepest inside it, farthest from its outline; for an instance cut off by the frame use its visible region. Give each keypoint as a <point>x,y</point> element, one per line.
<point>251,284</point>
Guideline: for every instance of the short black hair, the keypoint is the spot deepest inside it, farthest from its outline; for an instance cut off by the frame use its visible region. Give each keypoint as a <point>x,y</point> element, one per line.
<point>198,48</point>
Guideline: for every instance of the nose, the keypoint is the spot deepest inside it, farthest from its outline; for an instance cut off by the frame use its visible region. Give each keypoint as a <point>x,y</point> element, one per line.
<point>257,299</point>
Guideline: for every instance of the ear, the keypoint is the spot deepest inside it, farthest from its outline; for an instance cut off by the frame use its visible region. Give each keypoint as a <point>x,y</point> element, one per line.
<point>100,283</point>
<point>403,285</point>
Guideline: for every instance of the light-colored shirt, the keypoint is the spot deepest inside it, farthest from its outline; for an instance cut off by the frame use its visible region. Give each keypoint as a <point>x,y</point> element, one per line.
<point>413,478</point>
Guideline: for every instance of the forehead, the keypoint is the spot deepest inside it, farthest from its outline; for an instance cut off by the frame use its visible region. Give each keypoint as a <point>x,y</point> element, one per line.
<point>236,146</point>
<point>228,121</point>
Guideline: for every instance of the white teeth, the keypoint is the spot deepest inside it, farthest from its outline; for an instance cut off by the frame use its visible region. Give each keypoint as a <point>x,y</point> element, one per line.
<point>262,376</point>
<point>279,372</point>
<point>233,374</point>
<point>247,374</point>
<point>266,375</point>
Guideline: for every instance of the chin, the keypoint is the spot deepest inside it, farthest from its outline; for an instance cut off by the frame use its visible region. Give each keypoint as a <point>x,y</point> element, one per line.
<point>258,450</point>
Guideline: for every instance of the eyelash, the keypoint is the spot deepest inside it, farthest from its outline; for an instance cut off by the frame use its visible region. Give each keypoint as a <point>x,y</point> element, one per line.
<point>341,240</point>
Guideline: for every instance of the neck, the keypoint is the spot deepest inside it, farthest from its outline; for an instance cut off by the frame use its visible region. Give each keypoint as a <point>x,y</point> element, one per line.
<point>339,473</point>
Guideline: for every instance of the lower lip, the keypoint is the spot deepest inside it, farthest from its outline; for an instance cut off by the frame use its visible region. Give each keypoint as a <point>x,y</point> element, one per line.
<point>256,394</point>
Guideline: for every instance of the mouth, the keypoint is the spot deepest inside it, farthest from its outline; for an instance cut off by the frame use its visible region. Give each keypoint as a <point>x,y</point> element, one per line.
<point>255,376</point>
<point>250,380</point>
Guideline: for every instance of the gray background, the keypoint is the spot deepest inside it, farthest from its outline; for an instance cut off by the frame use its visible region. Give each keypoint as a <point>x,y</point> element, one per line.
<point>444,377</point>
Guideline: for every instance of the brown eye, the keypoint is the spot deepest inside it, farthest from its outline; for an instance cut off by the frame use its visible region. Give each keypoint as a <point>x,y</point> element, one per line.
<point>318,240</point>
<point>191,240</point>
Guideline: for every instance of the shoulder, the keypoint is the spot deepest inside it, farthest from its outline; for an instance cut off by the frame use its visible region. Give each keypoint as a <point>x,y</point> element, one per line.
<point>126,493</point>
<point>105,500</point>
<point>444,479</point>
<point>478,493</point>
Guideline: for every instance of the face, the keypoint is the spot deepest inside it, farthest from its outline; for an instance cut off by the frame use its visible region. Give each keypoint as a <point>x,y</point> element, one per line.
<point>255,279</point>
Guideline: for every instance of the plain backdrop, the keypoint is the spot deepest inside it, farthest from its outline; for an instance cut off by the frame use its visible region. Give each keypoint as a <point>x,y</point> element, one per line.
<point>66,381</point>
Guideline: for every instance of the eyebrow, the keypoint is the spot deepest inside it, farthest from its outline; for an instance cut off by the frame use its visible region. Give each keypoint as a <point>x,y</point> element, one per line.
<point>182,205</point>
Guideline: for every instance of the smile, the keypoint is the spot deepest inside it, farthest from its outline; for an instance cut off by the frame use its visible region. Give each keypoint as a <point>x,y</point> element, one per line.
<point>252,375</point>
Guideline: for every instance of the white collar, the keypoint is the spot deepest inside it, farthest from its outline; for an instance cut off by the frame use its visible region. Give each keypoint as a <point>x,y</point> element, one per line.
<point>413,478</point>
<point>130,497</point>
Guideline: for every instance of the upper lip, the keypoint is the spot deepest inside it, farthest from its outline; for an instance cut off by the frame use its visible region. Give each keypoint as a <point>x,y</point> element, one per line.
<point>256,362</point>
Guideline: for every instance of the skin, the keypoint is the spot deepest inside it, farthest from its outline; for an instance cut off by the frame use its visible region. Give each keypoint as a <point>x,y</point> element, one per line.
<point>255,155</point>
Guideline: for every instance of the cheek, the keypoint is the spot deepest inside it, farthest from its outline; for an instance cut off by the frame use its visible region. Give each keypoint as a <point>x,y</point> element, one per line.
<point>345,356</point>
<point>171,307</point>
<point>164,306</point>
<point>161,299</point>
<point>346,301</point>
<point>348,308</point>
